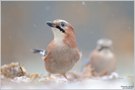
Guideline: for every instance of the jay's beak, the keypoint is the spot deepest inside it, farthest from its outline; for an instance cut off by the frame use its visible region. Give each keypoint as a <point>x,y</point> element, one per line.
<point>51,24</point>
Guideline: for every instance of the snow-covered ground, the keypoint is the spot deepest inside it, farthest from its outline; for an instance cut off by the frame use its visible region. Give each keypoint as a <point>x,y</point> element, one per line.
<point>14,76</point>
<point>59,82</point>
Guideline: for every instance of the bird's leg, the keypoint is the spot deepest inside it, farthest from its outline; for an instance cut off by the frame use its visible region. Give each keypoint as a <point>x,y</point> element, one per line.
<point>49,76</point>
<point>64,74</point>
<point>68,79</point>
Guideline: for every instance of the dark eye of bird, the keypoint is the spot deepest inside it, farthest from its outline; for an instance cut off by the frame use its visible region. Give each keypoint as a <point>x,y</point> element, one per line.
<point>62,24</point>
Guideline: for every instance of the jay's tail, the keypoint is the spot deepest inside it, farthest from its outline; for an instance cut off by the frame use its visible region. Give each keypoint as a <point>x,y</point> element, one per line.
<point>39,51</point>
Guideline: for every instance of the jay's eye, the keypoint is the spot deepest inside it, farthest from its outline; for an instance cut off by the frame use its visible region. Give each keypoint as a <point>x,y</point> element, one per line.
<point>63,24</point>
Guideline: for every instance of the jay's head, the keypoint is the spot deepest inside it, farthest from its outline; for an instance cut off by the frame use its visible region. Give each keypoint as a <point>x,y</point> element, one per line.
<point>104,44</point>
<point>61,28</point>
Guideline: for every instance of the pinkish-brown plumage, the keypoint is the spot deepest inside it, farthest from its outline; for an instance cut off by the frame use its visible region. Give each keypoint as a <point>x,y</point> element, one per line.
<point>102,60</point>
<point>60,59</point>
<point>62,51</point>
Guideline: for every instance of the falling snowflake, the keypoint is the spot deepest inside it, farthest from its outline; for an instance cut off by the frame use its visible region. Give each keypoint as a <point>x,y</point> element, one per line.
<point>83,3</point>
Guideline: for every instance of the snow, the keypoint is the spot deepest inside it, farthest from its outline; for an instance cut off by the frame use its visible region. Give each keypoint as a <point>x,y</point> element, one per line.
<point>14,76</point>
<point>59,82</point>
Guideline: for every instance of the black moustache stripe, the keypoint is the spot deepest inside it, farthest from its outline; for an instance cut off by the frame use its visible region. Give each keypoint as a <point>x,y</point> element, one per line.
<point>60,29</point>
<point>103,48</point>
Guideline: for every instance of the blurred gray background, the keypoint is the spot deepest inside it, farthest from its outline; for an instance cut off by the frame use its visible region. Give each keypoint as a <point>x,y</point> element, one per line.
<point>24,28</point>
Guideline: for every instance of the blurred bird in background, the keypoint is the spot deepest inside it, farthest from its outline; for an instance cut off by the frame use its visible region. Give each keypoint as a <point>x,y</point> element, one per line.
<point>102,60</point>
<point>62,52</point>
